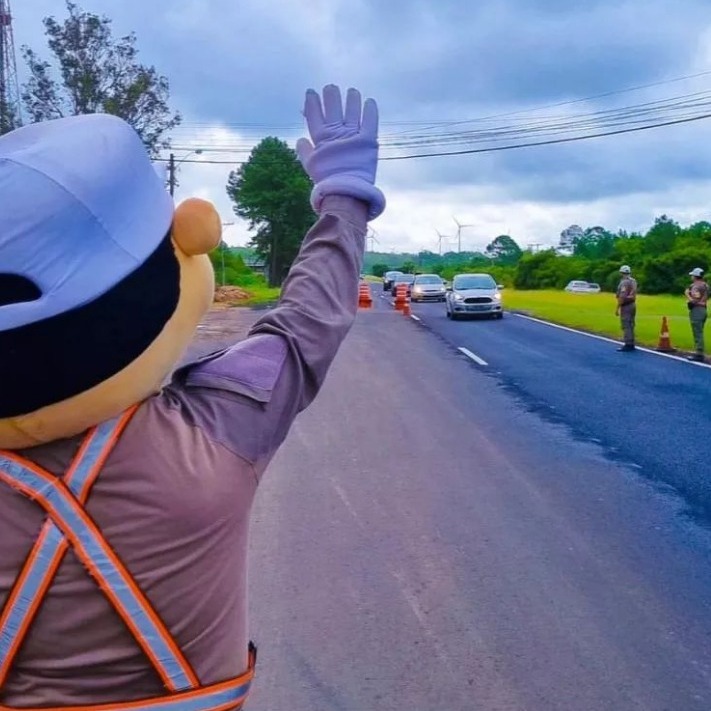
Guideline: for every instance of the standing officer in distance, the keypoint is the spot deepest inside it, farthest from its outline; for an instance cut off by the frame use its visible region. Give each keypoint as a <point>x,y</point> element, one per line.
<point>697,296</point>
<point>627,306</point>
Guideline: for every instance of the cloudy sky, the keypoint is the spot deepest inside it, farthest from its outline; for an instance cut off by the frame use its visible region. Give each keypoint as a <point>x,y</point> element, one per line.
<point>448,75</point>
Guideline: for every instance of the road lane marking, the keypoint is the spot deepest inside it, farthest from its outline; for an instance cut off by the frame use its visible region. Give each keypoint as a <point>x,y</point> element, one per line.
<point>415,318</point>
<point>473,356</point>
<point>671,356</point>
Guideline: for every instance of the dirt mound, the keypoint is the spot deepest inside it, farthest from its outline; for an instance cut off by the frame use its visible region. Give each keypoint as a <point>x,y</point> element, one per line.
<point>230,295</point>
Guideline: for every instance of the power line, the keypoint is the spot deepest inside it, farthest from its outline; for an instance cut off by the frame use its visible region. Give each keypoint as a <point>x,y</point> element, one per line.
<point>492,149</point>
<point>548,142</point>
<point>652,113</point>
<point>571,101</point>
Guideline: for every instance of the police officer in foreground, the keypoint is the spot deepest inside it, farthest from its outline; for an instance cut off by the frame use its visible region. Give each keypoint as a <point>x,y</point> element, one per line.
<point>627,306</point>
<point>697,296</point>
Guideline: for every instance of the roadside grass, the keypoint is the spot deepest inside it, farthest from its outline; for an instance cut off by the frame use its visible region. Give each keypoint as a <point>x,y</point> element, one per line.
<point>260,295</point>
<point>596,313</point>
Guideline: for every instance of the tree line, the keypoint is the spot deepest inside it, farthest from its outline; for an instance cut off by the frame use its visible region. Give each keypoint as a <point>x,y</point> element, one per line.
<point>660,258</point>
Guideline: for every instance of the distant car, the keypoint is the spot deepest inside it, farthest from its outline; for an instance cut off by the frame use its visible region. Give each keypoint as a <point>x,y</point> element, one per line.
<point>474,295</point>
<point>402,279</point>
<point>428,287</point>
<point>582,287</point>
<point>388,279</point>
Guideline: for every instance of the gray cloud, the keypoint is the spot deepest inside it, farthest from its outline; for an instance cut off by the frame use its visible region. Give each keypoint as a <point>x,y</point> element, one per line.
<point>249,62</point>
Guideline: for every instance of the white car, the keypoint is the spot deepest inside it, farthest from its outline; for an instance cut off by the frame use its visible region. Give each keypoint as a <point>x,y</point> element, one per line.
<point>474,295</point>
<point>582,287</point>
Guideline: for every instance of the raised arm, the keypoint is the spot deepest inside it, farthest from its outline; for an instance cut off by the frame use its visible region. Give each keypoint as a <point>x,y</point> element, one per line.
<point>247,396</point>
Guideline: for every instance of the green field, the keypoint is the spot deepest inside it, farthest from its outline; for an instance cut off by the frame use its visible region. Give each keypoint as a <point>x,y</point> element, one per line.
<point>596,313</point>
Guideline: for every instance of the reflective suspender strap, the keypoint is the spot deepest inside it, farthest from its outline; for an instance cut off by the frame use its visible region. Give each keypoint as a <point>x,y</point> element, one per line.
<point>69,524</point>
<point>227,696</point>
<point>67,514</point>
<point>43,562</point>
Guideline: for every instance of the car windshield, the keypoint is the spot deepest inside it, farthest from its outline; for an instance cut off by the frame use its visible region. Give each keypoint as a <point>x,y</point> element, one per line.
<point>405,278</point>
<point>474,281</point>
<point>428,280</point>
<point>390,275</point>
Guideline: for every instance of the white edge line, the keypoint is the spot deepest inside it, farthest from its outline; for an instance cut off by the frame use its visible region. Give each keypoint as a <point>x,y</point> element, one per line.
<point>671,356</point>
<point>415,318</point>
<point>473,356</point>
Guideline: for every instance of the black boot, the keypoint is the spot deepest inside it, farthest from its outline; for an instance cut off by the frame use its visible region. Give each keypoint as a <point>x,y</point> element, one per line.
<point>626,348</point>
<point>697,358</point>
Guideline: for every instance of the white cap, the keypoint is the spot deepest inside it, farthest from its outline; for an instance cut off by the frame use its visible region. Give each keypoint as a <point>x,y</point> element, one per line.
<point>82,208</point>
<point>698,272</point>
<point>624,269</point>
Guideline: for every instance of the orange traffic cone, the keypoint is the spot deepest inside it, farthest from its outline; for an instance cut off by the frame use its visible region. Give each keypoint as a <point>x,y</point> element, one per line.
<point>400,297</point>
<point>406,309</point>
<point>665,345</point>
<point>365,300</point>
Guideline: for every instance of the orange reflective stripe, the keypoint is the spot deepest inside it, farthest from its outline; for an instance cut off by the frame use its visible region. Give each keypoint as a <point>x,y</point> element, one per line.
<point>224,696</point>
<point>20,620</point>
<point>103,563</point>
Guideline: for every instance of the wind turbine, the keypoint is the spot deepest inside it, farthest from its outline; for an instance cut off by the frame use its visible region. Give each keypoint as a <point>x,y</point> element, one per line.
<point>459,233</point>
<point>371,238</point>
<point>439,241</point>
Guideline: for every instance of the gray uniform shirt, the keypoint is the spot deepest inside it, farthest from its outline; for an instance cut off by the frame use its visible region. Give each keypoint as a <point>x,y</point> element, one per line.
<point>699,293</point>
<point>627,290</point>
<point>174,497</point>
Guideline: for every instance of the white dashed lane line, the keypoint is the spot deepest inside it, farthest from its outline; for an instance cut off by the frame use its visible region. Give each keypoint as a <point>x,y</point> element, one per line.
<point>473,356</point>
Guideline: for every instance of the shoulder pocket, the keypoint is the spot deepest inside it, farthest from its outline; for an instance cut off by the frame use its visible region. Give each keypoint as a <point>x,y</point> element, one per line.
<point>250,368</point>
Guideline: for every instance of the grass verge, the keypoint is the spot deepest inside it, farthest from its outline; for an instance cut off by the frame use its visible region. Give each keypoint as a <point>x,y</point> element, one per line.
<point>596,313</point>
<point>260,295</point>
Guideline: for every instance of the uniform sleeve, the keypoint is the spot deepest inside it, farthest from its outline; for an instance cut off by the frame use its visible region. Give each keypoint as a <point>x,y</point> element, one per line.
<point>247,396</point>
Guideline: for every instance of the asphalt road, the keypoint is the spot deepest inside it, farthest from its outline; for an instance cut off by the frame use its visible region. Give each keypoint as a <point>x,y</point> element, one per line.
<point>651,412</point>
<point>430,537</point>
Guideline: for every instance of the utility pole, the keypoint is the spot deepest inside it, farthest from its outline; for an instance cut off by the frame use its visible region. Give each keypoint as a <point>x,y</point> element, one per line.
<point>171,173</point>
<point>10,110</point>
<point>173,166</point>
<point>459,233</point>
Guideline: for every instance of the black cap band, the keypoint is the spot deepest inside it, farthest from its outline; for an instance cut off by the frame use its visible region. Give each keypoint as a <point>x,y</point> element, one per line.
<point>49,361</point>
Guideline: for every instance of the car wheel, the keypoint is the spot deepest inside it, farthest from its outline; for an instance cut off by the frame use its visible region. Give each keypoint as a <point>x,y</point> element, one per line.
<point>455,317</point>
<point>500,316</point>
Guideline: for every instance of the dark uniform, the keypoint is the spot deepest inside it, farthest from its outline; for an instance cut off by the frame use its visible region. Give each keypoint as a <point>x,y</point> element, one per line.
<point>627,303</point>
<point>697,295</point>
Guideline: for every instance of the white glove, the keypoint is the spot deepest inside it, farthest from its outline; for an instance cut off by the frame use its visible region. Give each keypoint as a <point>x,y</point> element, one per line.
<point>343,158</point>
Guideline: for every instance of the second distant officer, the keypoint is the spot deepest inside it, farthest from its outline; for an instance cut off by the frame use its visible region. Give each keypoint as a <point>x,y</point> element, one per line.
<point>627,307</point>
<point>697,296</point>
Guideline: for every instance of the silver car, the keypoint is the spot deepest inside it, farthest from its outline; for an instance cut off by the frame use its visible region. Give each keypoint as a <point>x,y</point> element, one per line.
<point>474,295</point>
<point>428,287</point>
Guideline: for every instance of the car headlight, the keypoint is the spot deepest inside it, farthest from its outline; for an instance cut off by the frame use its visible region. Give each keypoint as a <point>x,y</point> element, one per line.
<point>418,289</point>
<point>497,297</point>
<point>458,297</point>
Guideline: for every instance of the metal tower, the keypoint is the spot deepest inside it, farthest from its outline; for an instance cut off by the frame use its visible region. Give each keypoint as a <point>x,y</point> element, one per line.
<point>9,86</point>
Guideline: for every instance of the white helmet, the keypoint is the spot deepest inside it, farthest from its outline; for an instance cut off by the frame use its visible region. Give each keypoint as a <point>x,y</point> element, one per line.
<point>624,269</point>
<point>698,272</point>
